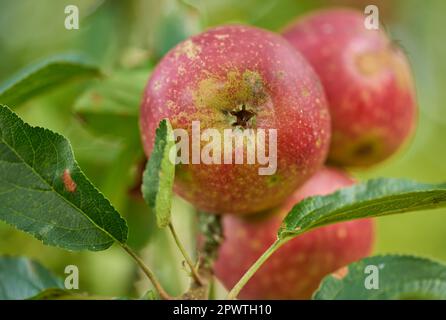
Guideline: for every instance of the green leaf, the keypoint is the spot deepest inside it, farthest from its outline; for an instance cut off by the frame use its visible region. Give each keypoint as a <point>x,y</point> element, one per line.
<point>22,278</point>
<point>63,294</point>
<point>111,106</point>
<point>39,78</point>
<point>150,295</point>
<point>373,198</point>
<point>44,192</point>
<point>178,21</point>
<point>56,294</point>
<point>387,277</point>
<point>159,175</point>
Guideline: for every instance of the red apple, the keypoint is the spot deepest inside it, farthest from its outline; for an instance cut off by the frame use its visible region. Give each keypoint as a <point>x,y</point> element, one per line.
<point>368,82</point>
<point>239,77</point>
<point>295,270</point>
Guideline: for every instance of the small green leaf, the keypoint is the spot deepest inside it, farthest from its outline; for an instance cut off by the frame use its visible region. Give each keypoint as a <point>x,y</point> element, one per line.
<point>150,295</point>
<point>373,198</point>
<point>56,294</point>
<point>46,75</point>
<point>63,294</point>
<point>44,192</point>
<point>159,175</point>
<point>22,278</point>
<point>111,106</point>
<point>387,277</point>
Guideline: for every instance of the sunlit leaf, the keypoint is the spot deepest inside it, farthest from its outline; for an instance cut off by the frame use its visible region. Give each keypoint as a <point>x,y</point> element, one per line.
<point>159,175</point>
<point>373,198</point>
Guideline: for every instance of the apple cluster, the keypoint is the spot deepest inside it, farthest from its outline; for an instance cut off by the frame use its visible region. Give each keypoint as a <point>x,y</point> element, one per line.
<point>338,95</point>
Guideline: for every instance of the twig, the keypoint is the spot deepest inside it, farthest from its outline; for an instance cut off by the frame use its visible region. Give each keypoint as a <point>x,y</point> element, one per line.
<point>211,230</point>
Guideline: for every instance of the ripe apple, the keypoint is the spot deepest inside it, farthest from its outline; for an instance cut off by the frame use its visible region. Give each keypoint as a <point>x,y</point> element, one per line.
<point>295,270</point>
<point>368,82</point>
<point>241,78</point>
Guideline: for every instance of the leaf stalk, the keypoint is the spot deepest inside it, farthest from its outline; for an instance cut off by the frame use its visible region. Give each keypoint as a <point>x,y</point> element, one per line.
<point>163,294</point>
<point>252,270</point>
<point>186,256</point>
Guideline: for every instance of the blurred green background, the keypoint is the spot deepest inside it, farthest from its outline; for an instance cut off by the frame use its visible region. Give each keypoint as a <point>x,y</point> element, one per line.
<point>126,38</point>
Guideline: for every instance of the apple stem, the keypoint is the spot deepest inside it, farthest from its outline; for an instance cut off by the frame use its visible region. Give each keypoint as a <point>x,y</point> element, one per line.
<point>253,269</point>
<point>180,246</point>
<point>163,294</point>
